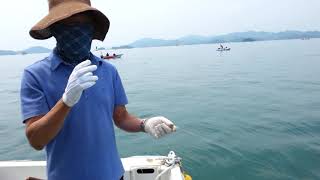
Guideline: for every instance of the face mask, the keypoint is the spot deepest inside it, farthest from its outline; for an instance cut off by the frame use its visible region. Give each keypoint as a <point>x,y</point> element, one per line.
<point>73,42</point>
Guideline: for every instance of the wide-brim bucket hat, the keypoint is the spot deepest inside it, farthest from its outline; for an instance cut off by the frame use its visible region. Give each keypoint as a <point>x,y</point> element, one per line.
<point>62,9</point>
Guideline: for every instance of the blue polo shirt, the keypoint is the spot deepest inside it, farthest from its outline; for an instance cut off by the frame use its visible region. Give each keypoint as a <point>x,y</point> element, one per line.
<point>85,148</point>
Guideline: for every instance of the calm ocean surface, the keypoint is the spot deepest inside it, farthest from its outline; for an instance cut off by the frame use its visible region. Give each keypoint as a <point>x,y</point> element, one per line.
<point>251,113</point>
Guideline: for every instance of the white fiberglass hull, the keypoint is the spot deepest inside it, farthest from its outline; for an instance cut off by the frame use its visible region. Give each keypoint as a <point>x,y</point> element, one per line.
<point>136,168</point>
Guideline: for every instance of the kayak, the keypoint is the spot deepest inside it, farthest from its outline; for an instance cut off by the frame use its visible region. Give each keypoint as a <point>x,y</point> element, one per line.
<point>224,49</point>
<point>112,57</point>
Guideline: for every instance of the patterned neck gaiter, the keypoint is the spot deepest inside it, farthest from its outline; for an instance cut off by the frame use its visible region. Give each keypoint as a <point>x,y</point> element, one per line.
<point>73,42</point>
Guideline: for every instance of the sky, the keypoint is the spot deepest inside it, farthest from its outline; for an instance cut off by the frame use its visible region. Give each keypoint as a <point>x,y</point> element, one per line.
<point>167,19</point>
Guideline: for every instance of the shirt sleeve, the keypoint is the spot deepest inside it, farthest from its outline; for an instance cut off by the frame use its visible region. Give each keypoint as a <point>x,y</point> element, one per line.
<point>33,101</point>
<point>120,94</point>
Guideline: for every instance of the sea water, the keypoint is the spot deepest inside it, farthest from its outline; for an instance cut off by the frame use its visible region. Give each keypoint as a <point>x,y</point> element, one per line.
<point>250,113</point>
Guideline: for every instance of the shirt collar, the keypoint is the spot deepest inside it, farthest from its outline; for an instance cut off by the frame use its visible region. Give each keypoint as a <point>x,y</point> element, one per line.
<point>56,60</point>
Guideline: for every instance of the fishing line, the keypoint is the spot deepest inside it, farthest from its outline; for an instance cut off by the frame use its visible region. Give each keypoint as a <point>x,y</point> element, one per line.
<point>194,134</point>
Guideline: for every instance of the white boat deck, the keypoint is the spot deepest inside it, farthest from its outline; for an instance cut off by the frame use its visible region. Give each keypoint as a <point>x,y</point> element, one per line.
<point>136,168</point>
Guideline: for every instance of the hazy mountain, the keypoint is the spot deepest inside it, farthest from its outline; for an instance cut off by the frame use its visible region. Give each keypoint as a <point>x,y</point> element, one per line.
<point>122,47</point>
<point>150,42</point>
<point>193,39</point>
<point>31,50</point>
<point>7,52</point>
<point>262,36</point>
<point>37,49</point>
<point>231,37</point>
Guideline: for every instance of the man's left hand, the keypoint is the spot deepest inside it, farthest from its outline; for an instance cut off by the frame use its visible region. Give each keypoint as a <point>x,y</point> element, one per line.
<point>158,126</point>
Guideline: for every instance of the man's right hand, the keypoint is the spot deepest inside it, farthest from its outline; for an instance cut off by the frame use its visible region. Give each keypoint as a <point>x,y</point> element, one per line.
<point>80,79</point>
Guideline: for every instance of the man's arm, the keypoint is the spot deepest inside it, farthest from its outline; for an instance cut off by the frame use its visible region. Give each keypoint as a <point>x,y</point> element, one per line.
<point>40,130</point>
<point>156,126</point>
<point>126,121</point>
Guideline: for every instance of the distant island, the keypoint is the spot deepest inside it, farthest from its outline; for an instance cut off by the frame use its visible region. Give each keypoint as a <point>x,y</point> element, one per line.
<point>7,52</point>
<point>31,50</point>
<point>249,36</point>
<point>122,47</point>
<point>100,48</point>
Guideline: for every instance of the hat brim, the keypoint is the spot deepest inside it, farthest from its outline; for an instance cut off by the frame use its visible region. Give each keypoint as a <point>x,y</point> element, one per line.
<point>64,10</point>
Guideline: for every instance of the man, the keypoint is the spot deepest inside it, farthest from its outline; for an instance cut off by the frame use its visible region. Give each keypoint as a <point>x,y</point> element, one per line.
<point>70,99</point>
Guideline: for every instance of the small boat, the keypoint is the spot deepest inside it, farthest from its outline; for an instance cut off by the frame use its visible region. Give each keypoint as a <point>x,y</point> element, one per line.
<point>223,49</point>
<point>136,168</point>
<point>116,56</point>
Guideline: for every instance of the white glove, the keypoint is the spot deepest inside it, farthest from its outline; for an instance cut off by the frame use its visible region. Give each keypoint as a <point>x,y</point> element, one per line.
<point>80,79</point>
<point>158,126</point>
